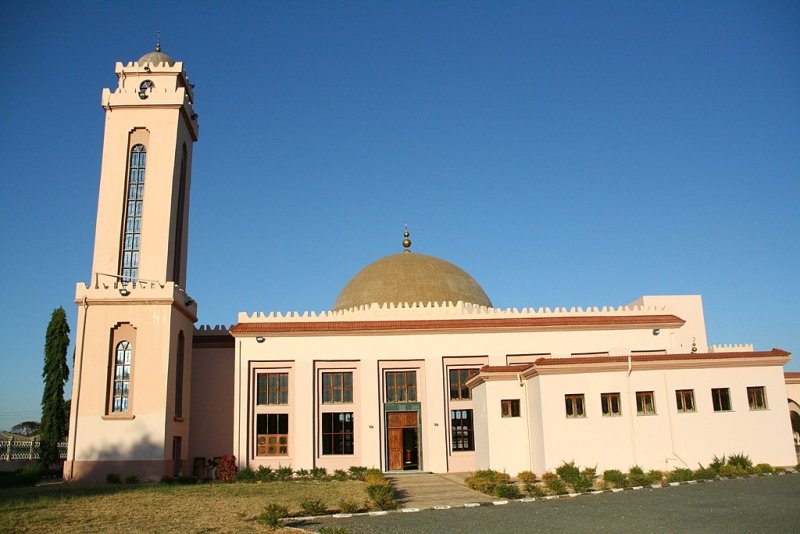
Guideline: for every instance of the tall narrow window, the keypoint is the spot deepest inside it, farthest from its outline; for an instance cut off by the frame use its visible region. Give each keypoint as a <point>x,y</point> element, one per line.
<point>645,403</point>
<point>757,397</point>
<point>610,404</point>
<point>337,387</point>
<point>721,399</point>
<point>272,434</point>
<point>122,377</point>
<point>179,377</point>
<point>337,433</point>
<point>462,430</point>
<point>575,405</point>
<point>273,388</point>
<point>684,399</point>
<point>401,386</point>
<point>132,229</point>
<point>458,383</point>
<point>177,257</point>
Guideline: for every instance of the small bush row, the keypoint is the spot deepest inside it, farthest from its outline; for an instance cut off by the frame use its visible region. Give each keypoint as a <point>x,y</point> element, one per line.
<point>283,474</point>
<point>570,478</point>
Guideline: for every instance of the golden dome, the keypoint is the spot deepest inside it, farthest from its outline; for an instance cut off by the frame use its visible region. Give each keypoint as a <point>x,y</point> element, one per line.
<point>410,277</point>
<point>157,57</point>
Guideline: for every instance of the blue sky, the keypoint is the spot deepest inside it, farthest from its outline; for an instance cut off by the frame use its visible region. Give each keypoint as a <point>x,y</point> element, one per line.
<point>563,153</point>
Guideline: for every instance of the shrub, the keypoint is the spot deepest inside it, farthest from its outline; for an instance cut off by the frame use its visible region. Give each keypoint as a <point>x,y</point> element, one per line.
<point>264,474</point>
<point>729,471</point>
<point>167,481</point>
<point>313,506</point>
<point>349,506</point>
<point>131,479</point>
<point>526,477</point>
<point>340,475</point>
<point>272,514</point>
<point>554,484</point>
<point>507,491</point>
<point>681,474</point>
<point>20,477</point>
<point>589,473</point>
<point>486,480</point>
<point>535,490</point>
<point>764,468</point>
<point>780,470</point>
<point>227,469</point>
<point>615,477</point>
<point>284,473</point>
<point>716,463</point>
<point>246,475</point>
<point>382,495</point>
<point>302,474</point>
<point>704,473</point>
<point>740,460</point>
<point>582,485</point>
<point>655,476</point>
<point>357,472</point>
<point>113,478</point>
<point>569,473</point>
<point>637,476</point>
<point>319,473</point>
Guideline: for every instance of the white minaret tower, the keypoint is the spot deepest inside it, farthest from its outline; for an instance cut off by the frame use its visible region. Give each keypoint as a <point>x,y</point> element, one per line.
<point>130,395</point>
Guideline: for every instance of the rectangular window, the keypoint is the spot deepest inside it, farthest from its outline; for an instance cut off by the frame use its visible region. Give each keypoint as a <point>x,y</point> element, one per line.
<point>337,387</point>
<point>684,398</point>
<point>757,397</point>
<point>458,383</point>
<point>721,398</point>
<point>337,433</point>
<point>401,386</point>
<point>509,408</point>
<point>610,404</point>
<point>645,403</point>
<point>273,388</point>
<point>575,405</point>
<point>272,434</point>
<point>462,430</point>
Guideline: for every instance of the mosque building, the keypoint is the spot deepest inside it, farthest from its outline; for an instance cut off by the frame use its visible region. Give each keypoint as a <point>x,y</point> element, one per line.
<point>413,368</point>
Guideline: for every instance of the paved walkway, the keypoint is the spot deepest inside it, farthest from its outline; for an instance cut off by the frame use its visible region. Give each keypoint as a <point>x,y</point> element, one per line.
<point>426,490</point>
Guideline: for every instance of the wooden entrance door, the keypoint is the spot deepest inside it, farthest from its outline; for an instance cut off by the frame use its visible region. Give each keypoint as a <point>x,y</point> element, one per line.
<point>397,422</point>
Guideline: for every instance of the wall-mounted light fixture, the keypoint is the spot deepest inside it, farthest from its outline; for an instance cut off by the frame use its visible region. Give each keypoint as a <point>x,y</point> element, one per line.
<point>435,424</point>
<point>124,291</point>
<point>656,331</point>
<point>260,339</point>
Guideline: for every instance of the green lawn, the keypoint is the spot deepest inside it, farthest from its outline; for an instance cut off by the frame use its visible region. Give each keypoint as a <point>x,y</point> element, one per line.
<point>67,508</point>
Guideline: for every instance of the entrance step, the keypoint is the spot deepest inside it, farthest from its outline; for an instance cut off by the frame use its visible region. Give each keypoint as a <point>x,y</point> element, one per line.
<point>428,490</point>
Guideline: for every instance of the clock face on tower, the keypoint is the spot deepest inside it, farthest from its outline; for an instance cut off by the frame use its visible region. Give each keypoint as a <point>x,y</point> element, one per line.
<point>146,87</point>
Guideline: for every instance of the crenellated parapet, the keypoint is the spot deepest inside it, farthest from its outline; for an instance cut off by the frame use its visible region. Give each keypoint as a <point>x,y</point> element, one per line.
<point>444,310</point>
<point>210,330</point>
<point>110,291</point>
<point>733,347</point>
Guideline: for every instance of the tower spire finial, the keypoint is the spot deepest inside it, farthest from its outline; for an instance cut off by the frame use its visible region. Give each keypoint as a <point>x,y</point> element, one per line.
<point>406,240</point>
<point>158,39</point>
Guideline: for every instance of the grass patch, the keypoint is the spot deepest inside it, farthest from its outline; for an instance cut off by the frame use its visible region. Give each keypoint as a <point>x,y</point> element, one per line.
<point>160,507</point>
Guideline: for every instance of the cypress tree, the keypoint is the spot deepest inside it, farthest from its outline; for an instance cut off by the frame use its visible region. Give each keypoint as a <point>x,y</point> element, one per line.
<point>55,375</point>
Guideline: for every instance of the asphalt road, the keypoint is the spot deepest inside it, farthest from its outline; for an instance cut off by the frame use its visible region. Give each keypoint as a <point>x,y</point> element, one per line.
<point>763,504</point>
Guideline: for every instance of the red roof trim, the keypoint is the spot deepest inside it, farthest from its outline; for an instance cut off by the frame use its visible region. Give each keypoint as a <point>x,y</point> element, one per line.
<point>344,327</point>
<point>543,362</point>
<point>505,368</point>
<point>791,374</point>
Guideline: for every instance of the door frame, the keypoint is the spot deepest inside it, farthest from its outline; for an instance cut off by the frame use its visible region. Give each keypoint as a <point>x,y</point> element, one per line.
<point>402,407</point>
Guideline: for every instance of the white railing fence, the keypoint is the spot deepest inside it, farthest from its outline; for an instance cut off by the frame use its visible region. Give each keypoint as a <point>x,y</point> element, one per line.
<point>25,449</point>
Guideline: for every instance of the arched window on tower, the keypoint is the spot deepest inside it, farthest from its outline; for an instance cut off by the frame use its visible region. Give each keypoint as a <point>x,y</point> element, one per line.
<point>132,227</point>
<point>123,358</point>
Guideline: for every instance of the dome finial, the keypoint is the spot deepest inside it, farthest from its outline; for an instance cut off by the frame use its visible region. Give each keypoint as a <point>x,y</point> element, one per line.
<point>158,40</point>
<point>406,241</point>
